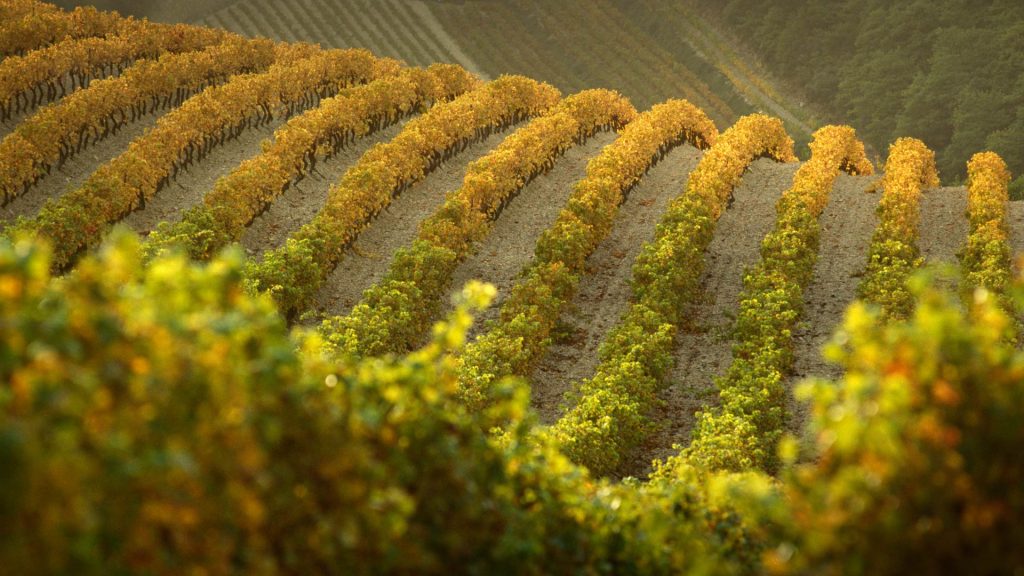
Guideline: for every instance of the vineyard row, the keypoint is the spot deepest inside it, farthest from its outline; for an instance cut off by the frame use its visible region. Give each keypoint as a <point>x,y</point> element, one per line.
<point>395,314</point>
<point>610,416</point>
<point>294,272</point>
<point>301,76</point>
<point>238,198</point>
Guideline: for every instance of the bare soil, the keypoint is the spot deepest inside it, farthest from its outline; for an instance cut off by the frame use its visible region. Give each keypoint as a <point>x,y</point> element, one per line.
<point>368,259</point>
<point>509,246</point>
<point>847,224</point>
<point>703,344</point>
<point>604,291</point>
<point>426,18</point>
<point>300,203</point>
<point>1015,219</point>
<point>192,184</point>
<point>944,225</point>
<point>76,170</point>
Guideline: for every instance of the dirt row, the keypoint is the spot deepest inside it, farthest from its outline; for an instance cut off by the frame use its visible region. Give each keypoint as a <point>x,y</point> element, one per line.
<point>192,184</point>
<point>370,256</point>
<point>704,345</point>
<point>847,224</point>
<point>76,170</point>
<point>604,291</point>
<point>509,246</point>
<point>499,257</point>
<point>300,203</point>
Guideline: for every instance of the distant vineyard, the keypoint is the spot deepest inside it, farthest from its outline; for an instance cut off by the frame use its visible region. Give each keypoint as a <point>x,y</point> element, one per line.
<point>181,402</point>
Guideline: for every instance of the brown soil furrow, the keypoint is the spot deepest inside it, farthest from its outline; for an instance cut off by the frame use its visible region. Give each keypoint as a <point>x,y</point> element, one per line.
<point>703,346</point>
<point>509,246</point>
<point>604,291</point>
<point>6,127</point>
<point>76,169</point>
<point>280,25</point>
<point>229,19</point>
<point>300,203</point>
<point>380,44</point>
<point>192,184</point>
<point>847,224</point>
<point>368,259</point>
<point>396,13</point>
<point>944,225</point>
<point>233,19</point>
<point>316,23</point>
<point>393,35</point>
<point>211,21</point>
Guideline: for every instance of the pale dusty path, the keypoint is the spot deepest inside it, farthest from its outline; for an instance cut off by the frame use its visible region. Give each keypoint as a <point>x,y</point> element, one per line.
<point>368,259</point>
<point>703,346</point>
<point>604,290</point>
<point>509,246</point>
<point>300,203</point>
<point>847,224</point>
<point>193,183</point>
<point>944,225</point>
<point>77,169</point>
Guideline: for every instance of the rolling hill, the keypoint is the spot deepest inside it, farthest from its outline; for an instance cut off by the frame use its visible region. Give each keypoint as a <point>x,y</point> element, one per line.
<point>668,266</point>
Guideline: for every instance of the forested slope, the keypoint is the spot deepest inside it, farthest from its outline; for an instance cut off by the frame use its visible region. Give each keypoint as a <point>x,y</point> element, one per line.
<point>950,73</point>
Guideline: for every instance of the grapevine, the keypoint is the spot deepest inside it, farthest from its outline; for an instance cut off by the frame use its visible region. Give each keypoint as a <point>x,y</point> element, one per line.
<point>609,417</point>
<point>986,258</point>
<point>60,130</point>
<point>51,73</point>
<point>295,271</point>
<point>893,254</point>
<point>302,75</point>
<point>394,315</point>
<point>28,25</point>
<point>236,199</point>
<point>549,282</point>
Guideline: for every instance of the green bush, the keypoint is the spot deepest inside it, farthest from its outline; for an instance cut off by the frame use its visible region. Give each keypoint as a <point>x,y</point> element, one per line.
<point>915,465</point>
<point>163,421</point>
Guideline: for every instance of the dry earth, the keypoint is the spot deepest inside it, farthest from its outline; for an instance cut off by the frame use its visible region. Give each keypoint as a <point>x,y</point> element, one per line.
<point>509,245</point>
<point>604,291</point>
<point>193,183</point>
<point>847,224</point>
<point>368,259</point>
<point>76,170</point>
<point>300,203</point>
<point>703,344</point>
<point>1015,217</point>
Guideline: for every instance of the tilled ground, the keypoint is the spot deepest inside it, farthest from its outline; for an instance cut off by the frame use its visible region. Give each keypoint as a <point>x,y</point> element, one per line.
<point>604,291</point>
